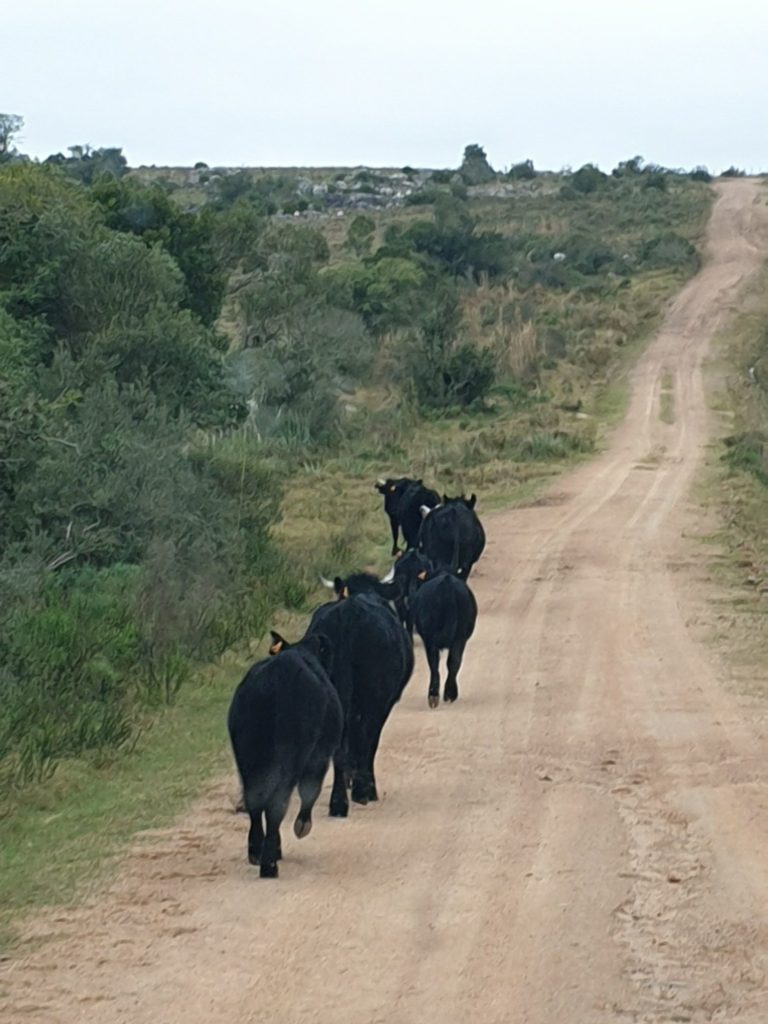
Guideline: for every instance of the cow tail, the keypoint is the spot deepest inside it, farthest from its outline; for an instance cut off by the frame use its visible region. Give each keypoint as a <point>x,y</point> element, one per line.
<point>455,554</point>
<point>452,616</point>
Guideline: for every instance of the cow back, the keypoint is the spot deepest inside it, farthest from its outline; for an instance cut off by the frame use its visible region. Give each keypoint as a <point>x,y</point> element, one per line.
<point>444,611</point>
<point>282,709</point>
<point>452,536</point>
<point>372,655</point>
<point>409,510</point>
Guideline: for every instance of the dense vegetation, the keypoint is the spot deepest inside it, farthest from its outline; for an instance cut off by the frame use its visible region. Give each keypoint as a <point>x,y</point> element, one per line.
<point>170,370</point>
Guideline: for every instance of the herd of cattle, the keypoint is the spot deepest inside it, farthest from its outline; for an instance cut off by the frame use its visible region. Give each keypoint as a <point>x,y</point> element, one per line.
<point>329,695</point>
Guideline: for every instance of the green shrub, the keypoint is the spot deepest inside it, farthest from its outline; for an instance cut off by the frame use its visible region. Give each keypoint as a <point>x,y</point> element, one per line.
<point>669,250</point>
<point>748,452</point>
<point>468,375</point>
<point>423,197</point>
<point>523,171</point>
<point>475,169</point>
<point>67,651</point>
<point>700,174</point>
<point>588,178</point>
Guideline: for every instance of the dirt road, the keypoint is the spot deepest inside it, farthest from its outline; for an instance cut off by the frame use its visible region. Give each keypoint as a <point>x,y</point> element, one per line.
<point>583,838</point>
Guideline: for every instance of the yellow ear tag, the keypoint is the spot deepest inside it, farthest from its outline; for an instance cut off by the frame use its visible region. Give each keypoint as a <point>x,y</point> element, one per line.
<point>276,647</point>
<point>392,490</point>
<point>345,592</point>
<point>422,575</point>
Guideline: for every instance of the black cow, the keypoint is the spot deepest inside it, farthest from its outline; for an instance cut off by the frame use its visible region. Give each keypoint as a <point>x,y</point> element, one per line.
<point>444,611</point>
<point>371,662</point>
<point>285,723</point>
<point>403,499</point>
<point>391,589</point>
<point>395,587</point>
<point>452,537</point>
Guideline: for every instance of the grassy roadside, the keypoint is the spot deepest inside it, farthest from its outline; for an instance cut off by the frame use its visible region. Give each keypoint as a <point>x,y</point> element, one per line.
<point>733,485</point>
<point>70,830</point>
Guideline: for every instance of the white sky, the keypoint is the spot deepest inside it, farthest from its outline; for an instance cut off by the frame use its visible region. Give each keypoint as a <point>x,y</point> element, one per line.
<point>336,82</point>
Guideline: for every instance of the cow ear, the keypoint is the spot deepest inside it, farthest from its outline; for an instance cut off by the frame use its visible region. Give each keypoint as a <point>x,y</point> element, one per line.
<point>321,645</point>
<point>338,584</point>
<point>324,648</point>
<point>472,500</point>
<point>277,643</point>
<point>446,499</point>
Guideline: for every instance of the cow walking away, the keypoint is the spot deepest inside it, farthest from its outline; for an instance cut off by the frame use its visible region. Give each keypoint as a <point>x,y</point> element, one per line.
<point>444,611</point>
<point>371,662</point>
<point>452,536</point>
<point>391,589</point>
<point>285,724</point>
<point>403,499</point>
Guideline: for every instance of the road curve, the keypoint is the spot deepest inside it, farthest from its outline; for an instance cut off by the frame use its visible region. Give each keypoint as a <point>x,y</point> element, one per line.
<point>582,838</point>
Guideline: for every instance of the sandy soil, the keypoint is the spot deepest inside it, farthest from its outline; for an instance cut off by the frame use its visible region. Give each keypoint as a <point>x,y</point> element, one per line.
<point>582,838</point>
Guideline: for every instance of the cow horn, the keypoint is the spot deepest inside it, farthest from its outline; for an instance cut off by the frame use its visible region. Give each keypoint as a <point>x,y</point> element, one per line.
<point>425,510</point>
<point>327,583</point>
<point>380,482</point>
<point>389,577</point>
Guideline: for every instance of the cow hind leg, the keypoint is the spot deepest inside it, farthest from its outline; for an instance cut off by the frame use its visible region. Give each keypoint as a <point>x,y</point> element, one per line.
<point>256,836</point>
<point>364,785</point>
<point>275,812</point>
<point>433,660</point>
<point>310,785</point>
<point>395,528</point>
<point>455,656</point>
<point>339,805</point>
<point>367,776</point>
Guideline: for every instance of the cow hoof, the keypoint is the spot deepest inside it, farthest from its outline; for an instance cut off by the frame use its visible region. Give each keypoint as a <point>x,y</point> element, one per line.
<point>302,828</point>
<point>339,811</point>
<point>268,871</point>
<point>450,697</point>
<point>360,798</point>
<point>254,858</point>
<point>433,700</point>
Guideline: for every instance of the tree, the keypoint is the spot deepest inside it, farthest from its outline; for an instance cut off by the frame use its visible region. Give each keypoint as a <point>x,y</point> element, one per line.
<point>87,165</point>
<point>151,214</point>
<point>523,171</point>
<point>442,369</point>
<point>10,125</point>
<point>284,280</point>
<point>588,179</point>
<point>628,168</point>
<point>384,290</point>
<point>475,169</point>
<point>360,234</point>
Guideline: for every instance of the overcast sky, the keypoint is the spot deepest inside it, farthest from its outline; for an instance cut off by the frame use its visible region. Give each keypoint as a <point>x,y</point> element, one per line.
<point>332,82</point>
